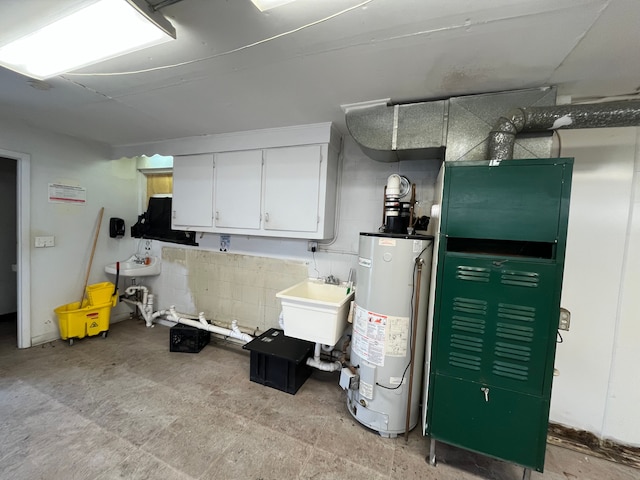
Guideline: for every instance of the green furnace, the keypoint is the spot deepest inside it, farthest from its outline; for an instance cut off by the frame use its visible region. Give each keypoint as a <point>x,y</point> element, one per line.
<point>498,283</point>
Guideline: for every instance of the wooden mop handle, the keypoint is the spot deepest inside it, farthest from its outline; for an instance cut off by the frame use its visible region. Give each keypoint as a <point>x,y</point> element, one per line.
<point>93,250</point>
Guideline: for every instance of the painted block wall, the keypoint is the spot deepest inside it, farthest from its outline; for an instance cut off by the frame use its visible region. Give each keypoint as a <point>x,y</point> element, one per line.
<point>597,389</point>
<point>228,286</point>
<point>58,273</point>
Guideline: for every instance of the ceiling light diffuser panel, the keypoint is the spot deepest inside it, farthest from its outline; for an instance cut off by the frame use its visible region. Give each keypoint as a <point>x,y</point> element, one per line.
<point>98,31</point>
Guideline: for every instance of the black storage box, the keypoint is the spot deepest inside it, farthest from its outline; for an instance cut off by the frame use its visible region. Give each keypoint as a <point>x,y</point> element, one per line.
<point>279,361</point>
<point>187,339</point>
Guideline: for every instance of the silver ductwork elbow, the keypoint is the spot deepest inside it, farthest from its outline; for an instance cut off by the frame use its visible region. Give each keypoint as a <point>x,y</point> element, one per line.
<point>539,119</point>
<point>390,133</point>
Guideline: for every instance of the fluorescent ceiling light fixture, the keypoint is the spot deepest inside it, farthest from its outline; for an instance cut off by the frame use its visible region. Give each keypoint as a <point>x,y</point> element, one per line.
<point>101,30</point>
<point>269,4</point>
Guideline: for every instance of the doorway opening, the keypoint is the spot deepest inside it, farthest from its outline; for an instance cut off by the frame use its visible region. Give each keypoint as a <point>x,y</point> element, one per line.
<point>8,252</point>
<point>15,169</point>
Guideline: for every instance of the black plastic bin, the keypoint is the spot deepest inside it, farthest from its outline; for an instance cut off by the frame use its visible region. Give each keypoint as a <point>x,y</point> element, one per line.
<point>187,339</point>
<point>279,361</point>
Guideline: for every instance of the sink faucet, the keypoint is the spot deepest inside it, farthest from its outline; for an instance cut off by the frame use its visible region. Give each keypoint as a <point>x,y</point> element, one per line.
<point>331,280</point>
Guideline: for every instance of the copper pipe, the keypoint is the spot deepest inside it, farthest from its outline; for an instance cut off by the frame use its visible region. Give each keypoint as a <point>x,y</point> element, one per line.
<point>414,334</point>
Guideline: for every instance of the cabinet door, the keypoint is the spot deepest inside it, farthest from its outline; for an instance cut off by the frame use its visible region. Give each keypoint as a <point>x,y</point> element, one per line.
<point>238,182</point>
<point>192,192</point>
<point>292,188</point>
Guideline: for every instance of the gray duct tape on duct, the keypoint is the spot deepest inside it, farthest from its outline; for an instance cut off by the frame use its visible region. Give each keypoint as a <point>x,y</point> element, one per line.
<point>538,119</point>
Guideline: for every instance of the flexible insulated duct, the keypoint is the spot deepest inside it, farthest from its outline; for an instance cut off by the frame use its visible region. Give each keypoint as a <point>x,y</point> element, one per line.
<point>538,119</point>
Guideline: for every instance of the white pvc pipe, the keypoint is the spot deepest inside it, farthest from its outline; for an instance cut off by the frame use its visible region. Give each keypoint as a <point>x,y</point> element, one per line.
<point>219,323</point>
<point>146,305</point>
<point>315,362</point>
<point>146,309</point>
<point>202,324</point>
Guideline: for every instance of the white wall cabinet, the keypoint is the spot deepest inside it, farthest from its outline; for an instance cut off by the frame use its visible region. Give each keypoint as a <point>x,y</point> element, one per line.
<point>237,189</point>
<point>192,202</point>
<point>292,182</point>
<point>281,190</point>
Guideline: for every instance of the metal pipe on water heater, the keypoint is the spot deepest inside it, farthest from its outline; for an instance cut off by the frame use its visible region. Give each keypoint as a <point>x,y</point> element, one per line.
<point>414,333</point>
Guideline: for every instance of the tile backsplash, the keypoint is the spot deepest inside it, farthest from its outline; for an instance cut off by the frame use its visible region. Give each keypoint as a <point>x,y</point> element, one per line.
<point>228,286</point>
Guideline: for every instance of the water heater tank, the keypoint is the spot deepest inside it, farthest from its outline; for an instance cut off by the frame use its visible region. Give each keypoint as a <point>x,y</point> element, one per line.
<point>389,266</point>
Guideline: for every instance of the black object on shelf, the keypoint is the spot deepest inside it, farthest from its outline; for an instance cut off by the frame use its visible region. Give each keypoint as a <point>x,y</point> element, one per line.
<point>155,224</point>
<point>187,339</point>
<point>278,361</point>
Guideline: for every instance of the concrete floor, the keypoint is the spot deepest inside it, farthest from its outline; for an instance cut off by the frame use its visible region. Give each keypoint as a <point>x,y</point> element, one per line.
<point>126,407</point>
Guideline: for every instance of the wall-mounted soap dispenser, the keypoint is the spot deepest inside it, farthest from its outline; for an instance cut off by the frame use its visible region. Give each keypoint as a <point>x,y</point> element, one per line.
<point>116,227</point>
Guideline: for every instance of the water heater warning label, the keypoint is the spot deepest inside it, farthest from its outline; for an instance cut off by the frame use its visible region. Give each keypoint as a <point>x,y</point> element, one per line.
<point>376,336</point>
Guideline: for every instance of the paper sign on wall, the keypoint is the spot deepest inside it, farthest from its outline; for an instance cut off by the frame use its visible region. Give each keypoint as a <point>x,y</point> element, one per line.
<point>59,193</point>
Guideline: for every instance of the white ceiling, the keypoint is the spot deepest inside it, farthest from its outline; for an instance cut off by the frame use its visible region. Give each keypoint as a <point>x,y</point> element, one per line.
<point>406,50</point>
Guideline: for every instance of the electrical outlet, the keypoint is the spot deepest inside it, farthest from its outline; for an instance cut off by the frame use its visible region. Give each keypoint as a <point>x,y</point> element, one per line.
<point>41,242</point>
<point>565,319</point>
<point>312,246</point>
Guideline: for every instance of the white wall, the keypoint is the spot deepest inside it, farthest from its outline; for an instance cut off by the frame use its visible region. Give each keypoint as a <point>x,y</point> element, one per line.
<point>597,389</point>
<point>58,273</point>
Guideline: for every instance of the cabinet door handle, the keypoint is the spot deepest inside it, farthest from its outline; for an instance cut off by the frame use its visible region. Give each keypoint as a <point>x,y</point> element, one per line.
<point>266,217</point>
<point>173,214</point>
<point>485,390</point>
<point>217,215</point>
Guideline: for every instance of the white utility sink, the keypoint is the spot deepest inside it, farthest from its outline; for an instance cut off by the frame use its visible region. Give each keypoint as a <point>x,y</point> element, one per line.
<point>316,311</point>
<point>135,266</point>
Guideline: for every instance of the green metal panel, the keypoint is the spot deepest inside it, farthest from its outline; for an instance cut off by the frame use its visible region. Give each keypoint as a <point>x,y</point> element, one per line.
<point>503,424</point>
<point>494,321</point>
<point>498,285</point>
<point>508,201</point>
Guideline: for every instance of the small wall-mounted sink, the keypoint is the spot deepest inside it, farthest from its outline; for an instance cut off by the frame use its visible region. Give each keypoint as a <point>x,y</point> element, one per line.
<point>133,267</point>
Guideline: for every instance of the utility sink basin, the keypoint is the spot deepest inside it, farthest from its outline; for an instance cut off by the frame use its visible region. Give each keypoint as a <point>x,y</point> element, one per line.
<point>315,311</point>
<point>135,266</point>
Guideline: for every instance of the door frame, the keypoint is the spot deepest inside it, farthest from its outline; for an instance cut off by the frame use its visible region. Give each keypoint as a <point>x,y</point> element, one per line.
<point>23,257</point>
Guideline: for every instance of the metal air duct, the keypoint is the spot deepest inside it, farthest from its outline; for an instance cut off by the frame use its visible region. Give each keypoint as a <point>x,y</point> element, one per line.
<point>420,131</point>
<point>539,119</point>
<point>400,132</point>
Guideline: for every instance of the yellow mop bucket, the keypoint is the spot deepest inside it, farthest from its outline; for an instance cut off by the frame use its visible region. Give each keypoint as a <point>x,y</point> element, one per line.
<point>101,293</point>
<point>92,317</point>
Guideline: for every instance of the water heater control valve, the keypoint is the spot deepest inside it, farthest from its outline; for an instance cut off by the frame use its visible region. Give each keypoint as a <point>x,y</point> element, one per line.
<point>349,380</point>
